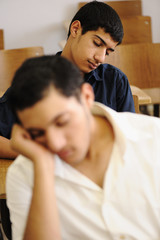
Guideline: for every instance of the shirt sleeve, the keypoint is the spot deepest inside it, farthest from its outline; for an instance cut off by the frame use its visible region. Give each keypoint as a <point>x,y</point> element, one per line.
<point>124,96</point>
<point>19,193</point>
<point>111,87</point>
<point>7,118</point>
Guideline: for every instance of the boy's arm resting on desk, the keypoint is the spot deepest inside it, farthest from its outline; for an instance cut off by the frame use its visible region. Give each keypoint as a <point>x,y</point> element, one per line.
<point>5,149</point>
<point>42,220</point>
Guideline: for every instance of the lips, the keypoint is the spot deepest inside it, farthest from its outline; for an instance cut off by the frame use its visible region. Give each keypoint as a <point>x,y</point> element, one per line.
<point>64,154</point>
<point>93,65</point>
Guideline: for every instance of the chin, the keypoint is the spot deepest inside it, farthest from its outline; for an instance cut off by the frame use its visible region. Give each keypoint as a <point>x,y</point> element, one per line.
<point>74,162</point>
<point>87,71</point>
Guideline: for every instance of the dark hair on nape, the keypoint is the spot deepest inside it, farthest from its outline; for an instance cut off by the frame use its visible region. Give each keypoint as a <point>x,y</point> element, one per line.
<point>37,75</point>
<point>94,15</point>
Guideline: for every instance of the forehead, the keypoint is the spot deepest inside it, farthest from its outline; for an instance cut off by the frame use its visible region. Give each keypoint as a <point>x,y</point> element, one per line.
<point>102,34</point>
<point>99,31</point>
<point>50,107</point>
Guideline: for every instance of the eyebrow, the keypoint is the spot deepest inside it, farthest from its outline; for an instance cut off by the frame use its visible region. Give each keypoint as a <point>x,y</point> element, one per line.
<point>111,49</point>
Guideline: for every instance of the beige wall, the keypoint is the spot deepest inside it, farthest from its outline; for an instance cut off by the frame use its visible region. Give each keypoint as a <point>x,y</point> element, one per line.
<point>40,22</point>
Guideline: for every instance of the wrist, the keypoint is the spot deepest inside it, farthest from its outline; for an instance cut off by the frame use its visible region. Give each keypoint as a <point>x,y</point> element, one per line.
<point>44,164</point>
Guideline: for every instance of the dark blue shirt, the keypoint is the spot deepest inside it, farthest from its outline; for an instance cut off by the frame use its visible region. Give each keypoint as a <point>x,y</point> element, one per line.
<point>111,87</point>
<point>7,118</point>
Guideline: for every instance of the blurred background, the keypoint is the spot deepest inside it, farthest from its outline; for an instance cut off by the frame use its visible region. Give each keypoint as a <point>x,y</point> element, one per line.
<point>41,22</point>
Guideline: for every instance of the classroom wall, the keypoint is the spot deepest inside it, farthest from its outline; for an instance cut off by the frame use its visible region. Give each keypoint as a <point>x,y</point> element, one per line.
<point>40,22</point>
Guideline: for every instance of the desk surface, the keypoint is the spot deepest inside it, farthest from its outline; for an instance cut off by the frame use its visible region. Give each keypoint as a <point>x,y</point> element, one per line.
<point>4,164</point>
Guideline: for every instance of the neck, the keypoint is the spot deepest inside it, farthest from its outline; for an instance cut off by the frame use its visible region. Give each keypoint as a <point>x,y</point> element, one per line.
<point>97,160</point>
<point>67,51</point>
<point>102,136</point>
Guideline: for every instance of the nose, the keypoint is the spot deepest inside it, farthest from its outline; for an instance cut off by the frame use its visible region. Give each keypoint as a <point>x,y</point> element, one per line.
<point>55,140</point>
<point>100,55</point>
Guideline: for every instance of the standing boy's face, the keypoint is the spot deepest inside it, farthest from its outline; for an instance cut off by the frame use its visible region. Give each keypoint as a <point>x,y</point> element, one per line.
<point>89,50</point>
<point>61,123</point>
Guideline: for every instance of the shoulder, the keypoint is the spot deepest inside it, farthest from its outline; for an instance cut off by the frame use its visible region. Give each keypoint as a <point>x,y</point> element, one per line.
<point>108,74</point>
<point>133,126</point>
<point>110,69</point>
<point>21,171</point>
<point>139,128</point>
<point>141,133</point>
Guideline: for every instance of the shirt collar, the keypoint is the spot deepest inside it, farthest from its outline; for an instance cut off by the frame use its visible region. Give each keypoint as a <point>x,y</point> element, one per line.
<point>4,97</point>
<point>72,175</point>
<point>110,115</point>
<point>121,123</point>
<point>94,74</point>
<point>59,53</point>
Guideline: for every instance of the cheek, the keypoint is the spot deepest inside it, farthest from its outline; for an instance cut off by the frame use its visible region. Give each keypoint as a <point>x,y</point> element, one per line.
<point>82,51</point>
<point>78,133</point>
<point>86,51</point>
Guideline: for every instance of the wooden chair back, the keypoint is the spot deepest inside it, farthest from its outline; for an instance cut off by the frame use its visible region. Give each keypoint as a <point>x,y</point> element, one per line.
<point>137,29</point>
<point>1,39</point>
<point>140,62</point>
<point>123,8</point>
<point>10,60</point>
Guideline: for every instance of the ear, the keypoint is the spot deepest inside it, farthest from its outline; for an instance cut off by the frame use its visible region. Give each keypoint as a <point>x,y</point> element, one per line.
<point>87,94</point>
<point>75,28</point>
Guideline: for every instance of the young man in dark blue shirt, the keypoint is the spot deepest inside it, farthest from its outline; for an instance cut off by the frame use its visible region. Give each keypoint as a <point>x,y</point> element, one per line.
<point>94,33</point>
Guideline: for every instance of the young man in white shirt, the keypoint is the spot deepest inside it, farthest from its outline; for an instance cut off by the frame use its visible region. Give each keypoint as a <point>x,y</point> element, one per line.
<point>85,171</point>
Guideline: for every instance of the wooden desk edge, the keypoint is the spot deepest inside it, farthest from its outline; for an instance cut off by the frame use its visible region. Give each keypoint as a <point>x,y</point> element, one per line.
<point>2,196</point>
<point>143,98</point>
<point>4,165</point>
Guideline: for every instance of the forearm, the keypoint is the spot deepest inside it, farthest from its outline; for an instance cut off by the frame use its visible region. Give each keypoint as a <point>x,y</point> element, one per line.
<point>43,220</point>
<point>5,149</point>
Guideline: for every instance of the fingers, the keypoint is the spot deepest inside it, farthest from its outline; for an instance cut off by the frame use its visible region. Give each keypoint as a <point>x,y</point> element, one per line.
<point>23,144</point>
<point>18,137</point>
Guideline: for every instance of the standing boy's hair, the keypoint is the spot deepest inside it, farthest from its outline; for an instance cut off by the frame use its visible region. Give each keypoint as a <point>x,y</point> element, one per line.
<point>36,75</point>
<point>94,15</point>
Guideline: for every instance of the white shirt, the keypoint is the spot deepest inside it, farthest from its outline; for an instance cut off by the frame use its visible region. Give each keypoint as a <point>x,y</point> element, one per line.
<point>128,207</point>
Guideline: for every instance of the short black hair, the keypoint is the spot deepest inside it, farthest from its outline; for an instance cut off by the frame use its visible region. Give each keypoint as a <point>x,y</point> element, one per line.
<point>36,75</point>
<point>94,15</point>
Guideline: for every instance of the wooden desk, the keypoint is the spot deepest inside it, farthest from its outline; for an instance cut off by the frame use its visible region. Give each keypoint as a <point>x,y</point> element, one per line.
<point>143,97</point>
<point>4,164</point>
<point>154,93</point>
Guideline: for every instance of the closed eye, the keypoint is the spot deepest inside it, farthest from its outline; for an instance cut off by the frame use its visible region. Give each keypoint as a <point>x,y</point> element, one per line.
<point>36,133</point>
<point>62,123</point>
<point>97,44</point>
